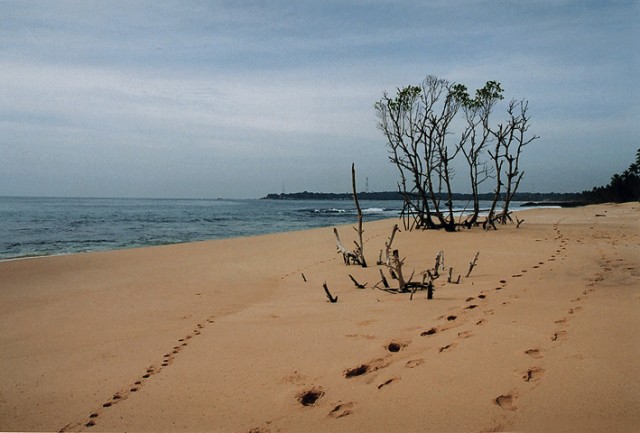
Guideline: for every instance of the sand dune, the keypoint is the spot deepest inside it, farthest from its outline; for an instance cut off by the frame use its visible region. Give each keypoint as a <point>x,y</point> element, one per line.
<point>227,336</point>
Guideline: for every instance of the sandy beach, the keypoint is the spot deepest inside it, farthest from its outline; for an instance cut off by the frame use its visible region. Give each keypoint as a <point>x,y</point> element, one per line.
<point>227,336</point>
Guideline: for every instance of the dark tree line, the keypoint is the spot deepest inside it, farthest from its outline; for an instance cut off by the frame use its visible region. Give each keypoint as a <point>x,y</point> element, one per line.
<point>622,187</point>
<point>420,124</point>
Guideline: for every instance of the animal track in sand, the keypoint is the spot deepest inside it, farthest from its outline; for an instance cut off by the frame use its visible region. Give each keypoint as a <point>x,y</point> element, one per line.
<point>534,353</point>
<point>451,318</point>
<point>465,334</point>
<point>506,401</point>
<point>394,346</point>
<point>137,385</point>
<point>447,348</point>
<point>559,335</point>
<point>341,410</point>
<point>413,363</point>
<point>533,374</point>
<point>388,382</point>
<point>574,310</point>
<point>470,307</point>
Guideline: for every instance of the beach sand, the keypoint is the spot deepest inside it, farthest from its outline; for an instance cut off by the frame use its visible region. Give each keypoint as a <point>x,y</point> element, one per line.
<point>226,335</point>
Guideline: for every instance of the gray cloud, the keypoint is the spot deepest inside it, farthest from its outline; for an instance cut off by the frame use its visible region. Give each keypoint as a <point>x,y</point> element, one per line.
<point>206,99</point>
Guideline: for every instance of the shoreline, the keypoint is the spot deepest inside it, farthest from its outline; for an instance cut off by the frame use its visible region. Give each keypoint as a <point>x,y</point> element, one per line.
<point>237,335</point>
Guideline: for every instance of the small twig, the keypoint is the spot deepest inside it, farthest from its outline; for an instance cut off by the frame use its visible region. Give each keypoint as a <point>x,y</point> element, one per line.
<point>384,279</point>
<point>358,285</point>
<point>518,222</point>
<point>326,290</point>
<point>449,277</point>
<point>473,264</point>
<point>304,278</point>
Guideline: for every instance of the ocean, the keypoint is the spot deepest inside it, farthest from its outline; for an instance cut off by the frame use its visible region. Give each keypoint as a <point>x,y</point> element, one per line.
<point>32,227</point>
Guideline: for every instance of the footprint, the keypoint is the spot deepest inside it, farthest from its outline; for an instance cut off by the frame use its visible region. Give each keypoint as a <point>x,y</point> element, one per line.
<point>429,332</point>
<point>505,401</point>
<point>357,371</point>
<point>394,346</point>
<point>465,334</point>
<point>559,335</point>
<point>388,382</point>
<point>414,363</point>
<point>534,353</point>
<point>451,318</point>
<point>470,307</point>
<point>341,410</point>
<point>310,397</point>
<point>447,348</point>
<point>533,374</point>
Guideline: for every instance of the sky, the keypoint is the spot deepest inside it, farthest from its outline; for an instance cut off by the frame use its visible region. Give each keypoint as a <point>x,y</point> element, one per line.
<point>237,99</point>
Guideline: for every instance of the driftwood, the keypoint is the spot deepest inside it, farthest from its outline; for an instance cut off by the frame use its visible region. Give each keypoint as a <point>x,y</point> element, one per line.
<point>332,299</point>
<point>349,257</point>
<point>473,264</point>
<point>359,251</point>
<point>396,267</point>
<point>450,278</point>
<point>384,279</point>
<point>357,284</point>
<point>518,222</point>
<point>439,264</point>
<point>355,256</point>
<point>387,248</point>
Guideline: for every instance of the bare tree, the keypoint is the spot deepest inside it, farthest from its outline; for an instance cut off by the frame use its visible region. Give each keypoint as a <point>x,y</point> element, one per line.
<point>511,140</point>
<point>416,122</point>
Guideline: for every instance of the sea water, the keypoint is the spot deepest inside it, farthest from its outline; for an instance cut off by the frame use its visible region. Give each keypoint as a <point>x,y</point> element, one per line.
<point>31,227</point>
<point>51,226</point>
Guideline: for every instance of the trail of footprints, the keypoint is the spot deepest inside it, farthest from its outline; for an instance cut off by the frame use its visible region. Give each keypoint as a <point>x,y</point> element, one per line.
<point>154,369</point>
<point>448,322</point>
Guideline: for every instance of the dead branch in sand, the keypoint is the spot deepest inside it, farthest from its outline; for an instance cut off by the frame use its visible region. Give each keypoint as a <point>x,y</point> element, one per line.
<point>387,248</point>
<point>349,257</point>
<point>518,222</point>
<point>304,278</point>
<point>473,264</point>
<point>359,251</point>
<point>357,284</point>
<point>332,299</point>
<point>356,256</point>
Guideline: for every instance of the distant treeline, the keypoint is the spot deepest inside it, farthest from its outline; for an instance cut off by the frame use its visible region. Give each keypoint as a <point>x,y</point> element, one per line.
<point>622,188</point>
<point>530,197</point>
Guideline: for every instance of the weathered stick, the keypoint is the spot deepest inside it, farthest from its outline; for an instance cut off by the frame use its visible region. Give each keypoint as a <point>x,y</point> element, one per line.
<point>332,299</point>
<point>347,256</point>
<point>518,222</point>
<point>473,264</point>
<point>396,266</point>
<point>449,277</point>
<point>360,244</point>
<point>387,247</point>
<point>384,279</point>
<point>439,263</point>
<point>358,285</point>
<point>304,278</point>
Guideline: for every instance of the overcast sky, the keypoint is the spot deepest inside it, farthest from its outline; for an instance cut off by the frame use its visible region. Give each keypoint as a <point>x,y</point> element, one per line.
<point>237,99</point>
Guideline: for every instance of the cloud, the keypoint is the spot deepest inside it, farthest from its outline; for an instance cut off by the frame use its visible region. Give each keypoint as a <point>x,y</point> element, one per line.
<point>115,91</point>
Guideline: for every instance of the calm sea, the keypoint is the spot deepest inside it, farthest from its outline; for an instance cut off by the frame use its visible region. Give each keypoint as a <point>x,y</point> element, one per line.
<point>50,226</point>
